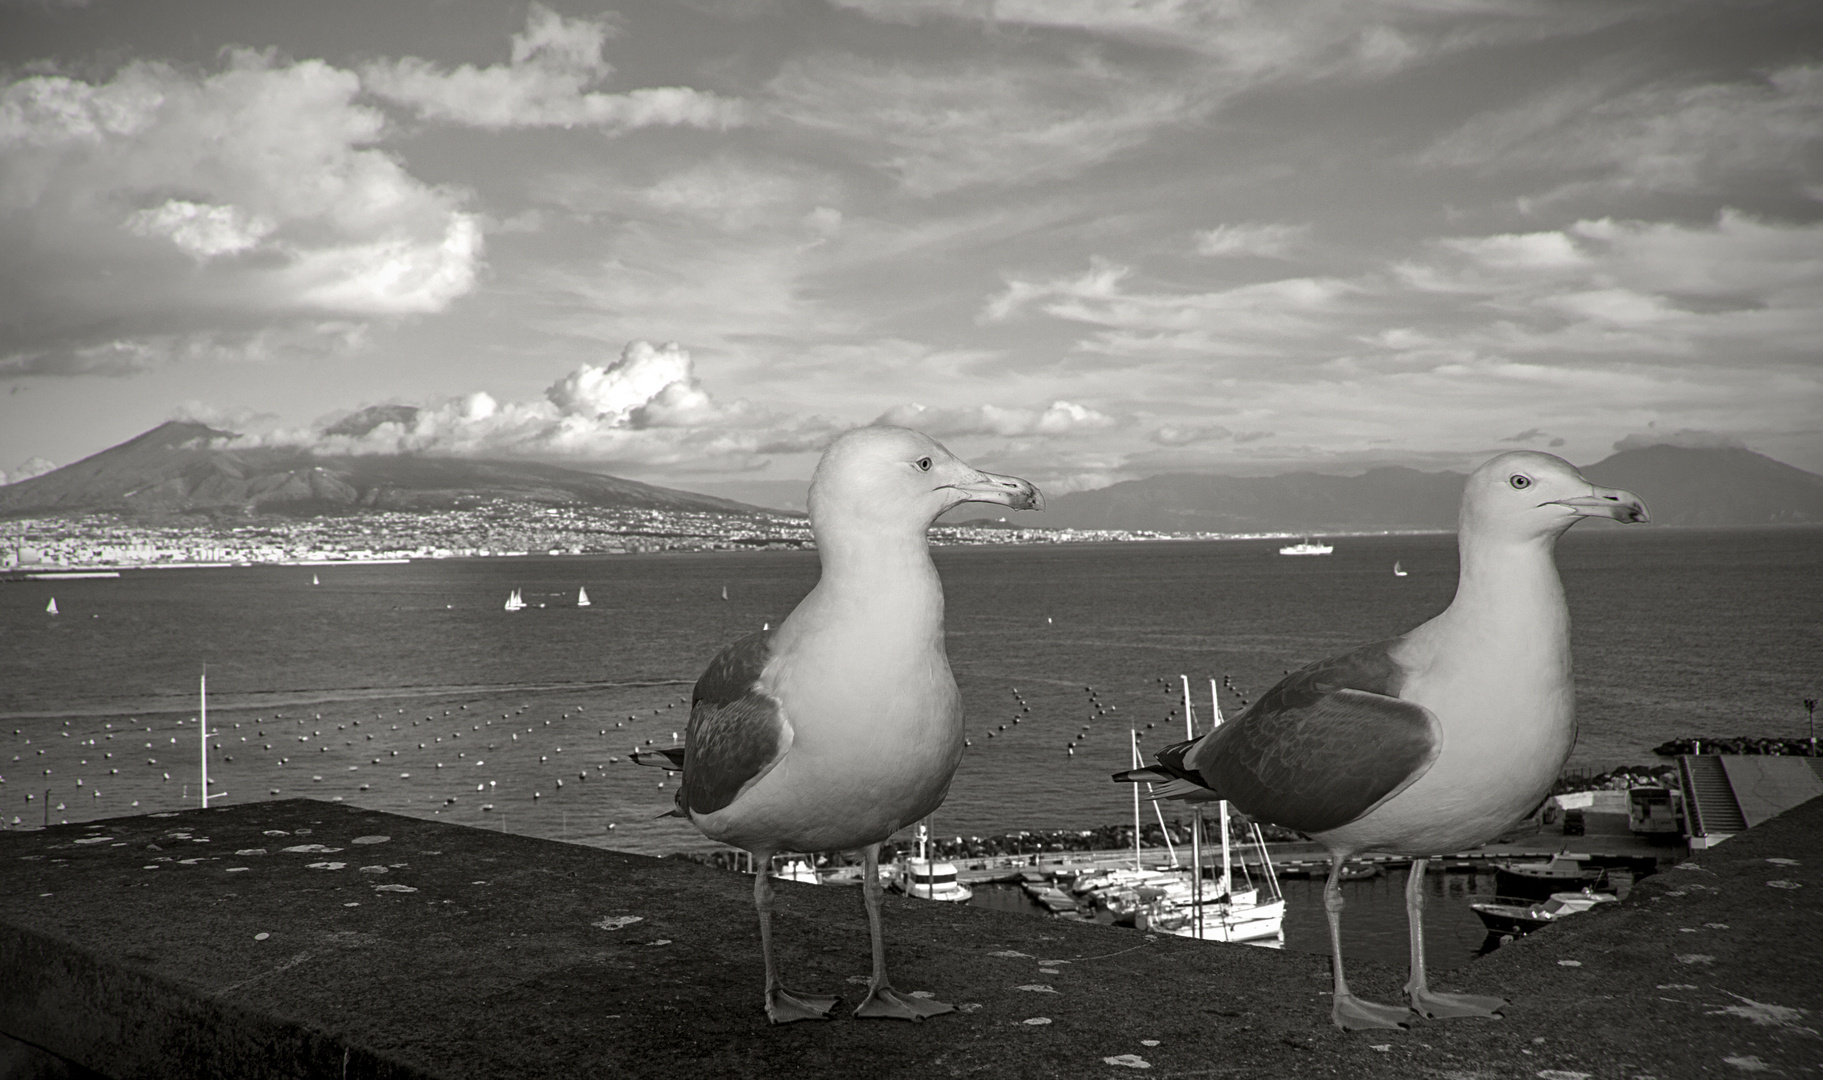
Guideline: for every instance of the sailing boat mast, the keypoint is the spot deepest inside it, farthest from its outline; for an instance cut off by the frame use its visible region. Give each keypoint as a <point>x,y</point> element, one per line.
<point>203,693</point>
<point>1196,824</point>
<point>1215,721</point>
<point>1133,742</point>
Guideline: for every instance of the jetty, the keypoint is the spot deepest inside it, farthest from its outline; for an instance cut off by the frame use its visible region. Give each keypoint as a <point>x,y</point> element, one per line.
<point>301,938</point>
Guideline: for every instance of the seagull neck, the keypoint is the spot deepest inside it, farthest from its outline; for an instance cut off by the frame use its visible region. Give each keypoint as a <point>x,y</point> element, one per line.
<point>1509,581</point>
<point>880,569</point>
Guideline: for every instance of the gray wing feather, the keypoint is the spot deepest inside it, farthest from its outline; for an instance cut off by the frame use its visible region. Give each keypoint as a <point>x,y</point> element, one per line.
<point>737,732</point>
<point>1320,749</point>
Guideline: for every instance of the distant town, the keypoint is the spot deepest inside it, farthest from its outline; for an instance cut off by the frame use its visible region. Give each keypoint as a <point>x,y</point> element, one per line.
<point>492,528</point>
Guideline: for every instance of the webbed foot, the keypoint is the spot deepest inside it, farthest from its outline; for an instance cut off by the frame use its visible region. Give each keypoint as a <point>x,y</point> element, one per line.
<point>784,1006</point>
<point>1435,1006</point>
<point>1353,1014</point>
<point>885,1003</point>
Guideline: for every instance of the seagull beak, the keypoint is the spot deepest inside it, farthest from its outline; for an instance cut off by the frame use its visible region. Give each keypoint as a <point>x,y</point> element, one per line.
<point>1623,506</point>
<point>1005,490</point>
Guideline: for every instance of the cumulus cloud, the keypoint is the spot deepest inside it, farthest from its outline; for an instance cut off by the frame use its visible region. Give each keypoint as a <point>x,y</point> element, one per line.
<point>162,209</point>
<point>546,84</point>
<point>1688,438</point>
<point>645,408</point>
<point>26,469</point>
<point>1272,241</point>
<point>1058,418</point>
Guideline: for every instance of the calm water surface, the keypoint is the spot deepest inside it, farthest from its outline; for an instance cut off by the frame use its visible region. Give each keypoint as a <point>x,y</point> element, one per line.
<point>403,687</point>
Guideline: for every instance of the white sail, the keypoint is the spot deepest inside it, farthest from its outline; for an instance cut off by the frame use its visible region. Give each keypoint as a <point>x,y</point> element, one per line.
<point>1398,571</point>
<point>515,602</point>
<point>582,596</point>
<point>314,581</point>
<point>51,608</point>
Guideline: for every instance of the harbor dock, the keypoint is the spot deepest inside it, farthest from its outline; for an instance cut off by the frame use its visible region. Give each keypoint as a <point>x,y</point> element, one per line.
<point>300,938</point>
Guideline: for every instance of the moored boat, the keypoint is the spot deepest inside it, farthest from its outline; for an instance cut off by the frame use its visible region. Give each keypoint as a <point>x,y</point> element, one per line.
<point>1538,880</point>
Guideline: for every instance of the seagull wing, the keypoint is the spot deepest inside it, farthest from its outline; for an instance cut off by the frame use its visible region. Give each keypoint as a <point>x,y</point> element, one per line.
<point>737,731</point>
<point>1325,746</point>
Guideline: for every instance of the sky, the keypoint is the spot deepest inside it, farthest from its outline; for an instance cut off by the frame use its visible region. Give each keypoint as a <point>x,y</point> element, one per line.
<point>689,241</point>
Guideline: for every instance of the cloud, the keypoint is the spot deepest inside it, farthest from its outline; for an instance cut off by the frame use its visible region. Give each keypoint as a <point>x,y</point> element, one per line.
<point>1187,434</point>
<point>554,61</point>
<point>1528,435</point>
<point>644,409</point>
<point>1670,135</point>
<point>1688,438</point>
<point>26,469</point>
<point>1272,241</point>
<point>1257,42</point>
<point>165,211</point>
<point>1058,418</point>
<point>1245,320</point>
<point>940,127</point>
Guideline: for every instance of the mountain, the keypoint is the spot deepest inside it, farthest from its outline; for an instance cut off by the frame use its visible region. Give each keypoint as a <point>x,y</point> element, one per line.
<point>1713,487</point>
<point>1681,486</point>
<point>179,467</point>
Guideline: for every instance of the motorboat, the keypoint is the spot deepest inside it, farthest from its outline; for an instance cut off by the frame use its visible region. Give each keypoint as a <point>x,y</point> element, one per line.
<point>926,878</point>
<point>797,870</point>
<point>1518,919</point>
<point>1538,880</point>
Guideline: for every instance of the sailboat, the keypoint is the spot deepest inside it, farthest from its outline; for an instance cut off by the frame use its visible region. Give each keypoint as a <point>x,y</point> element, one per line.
<point>724,592</point>
<point>1234,913</point>
<point>1398,571</point>
<point>313,580</point>
<point>515,602</point>
<point>582,596</point>
<point>51,608</point>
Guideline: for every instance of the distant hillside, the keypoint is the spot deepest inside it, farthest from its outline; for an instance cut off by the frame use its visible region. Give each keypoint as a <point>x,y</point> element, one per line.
<point>1681,486</point>
<point>179,467</point>
<point>1713,487</point>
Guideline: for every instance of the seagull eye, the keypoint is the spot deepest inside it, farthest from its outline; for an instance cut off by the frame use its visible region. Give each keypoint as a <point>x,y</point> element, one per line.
<point>1520,481</point>
<point>924,464</point>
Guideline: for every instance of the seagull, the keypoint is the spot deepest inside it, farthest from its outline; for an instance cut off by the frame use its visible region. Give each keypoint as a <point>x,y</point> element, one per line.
<point>1431,742</point>
<point>843,724</point>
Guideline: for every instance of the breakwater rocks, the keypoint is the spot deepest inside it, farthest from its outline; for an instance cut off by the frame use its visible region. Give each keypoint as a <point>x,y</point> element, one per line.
<point>1734,744</point>
<point>1619,778</point>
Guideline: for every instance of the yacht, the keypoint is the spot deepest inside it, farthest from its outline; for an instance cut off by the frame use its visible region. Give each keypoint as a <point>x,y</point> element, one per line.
<point>1307,546</point>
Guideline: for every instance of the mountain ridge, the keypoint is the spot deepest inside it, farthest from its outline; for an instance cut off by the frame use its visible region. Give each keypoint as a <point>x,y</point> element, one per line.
<point>185,467</point>
<point>182,467</point>
<point>1681,486</point>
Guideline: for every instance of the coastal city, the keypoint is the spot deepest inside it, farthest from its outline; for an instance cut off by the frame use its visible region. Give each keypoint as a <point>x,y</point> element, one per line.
<point>488,528</point>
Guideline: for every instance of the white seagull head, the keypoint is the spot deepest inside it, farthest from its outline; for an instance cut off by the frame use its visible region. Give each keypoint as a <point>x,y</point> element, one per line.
<point>1526,495</point>
<point>893,476</point>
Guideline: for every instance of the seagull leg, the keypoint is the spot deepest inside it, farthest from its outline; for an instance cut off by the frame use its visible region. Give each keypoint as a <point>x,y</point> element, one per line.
<point>782,1005</point>
<point>882,1000</point>
<point>1350,1012</point>
<point>1429,1003</point>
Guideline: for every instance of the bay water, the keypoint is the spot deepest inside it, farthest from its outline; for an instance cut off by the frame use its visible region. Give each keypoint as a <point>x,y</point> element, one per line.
<point>408,688</point>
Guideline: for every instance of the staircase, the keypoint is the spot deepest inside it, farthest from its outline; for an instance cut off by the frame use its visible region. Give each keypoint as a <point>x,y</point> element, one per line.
<point>1709,802</point>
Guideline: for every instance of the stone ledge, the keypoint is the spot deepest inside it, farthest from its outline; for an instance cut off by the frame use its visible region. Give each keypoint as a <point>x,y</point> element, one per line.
<point>499,962</point>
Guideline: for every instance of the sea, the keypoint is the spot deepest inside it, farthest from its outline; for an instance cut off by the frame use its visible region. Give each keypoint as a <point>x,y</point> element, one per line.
<point>409,687</point>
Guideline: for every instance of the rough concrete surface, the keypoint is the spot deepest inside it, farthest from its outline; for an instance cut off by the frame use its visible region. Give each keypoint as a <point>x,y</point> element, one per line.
<point>140,947</point>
